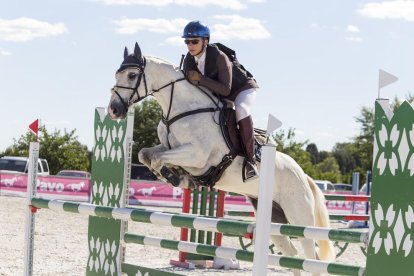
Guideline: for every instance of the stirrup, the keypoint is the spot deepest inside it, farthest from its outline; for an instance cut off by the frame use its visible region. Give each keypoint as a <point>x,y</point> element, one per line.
<point>250,171</point>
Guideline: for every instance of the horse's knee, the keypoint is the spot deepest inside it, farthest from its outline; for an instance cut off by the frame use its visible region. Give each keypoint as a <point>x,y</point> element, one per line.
<point>143,157</point>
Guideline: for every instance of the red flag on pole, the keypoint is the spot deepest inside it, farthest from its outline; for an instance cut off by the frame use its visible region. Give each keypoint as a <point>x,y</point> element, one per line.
<point>34,127</point>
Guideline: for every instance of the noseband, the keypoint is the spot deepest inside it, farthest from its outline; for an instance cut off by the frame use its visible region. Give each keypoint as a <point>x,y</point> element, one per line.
<point>141,68</point>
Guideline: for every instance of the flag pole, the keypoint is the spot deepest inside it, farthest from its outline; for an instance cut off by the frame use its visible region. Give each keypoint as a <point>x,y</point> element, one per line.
<point>379,88</point>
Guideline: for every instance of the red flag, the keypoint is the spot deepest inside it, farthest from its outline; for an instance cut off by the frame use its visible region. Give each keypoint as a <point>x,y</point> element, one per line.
<point>35,127</point>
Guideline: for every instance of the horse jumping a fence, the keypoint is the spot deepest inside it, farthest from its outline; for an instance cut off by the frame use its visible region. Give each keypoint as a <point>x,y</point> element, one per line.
<point>186,144</point>
<point>390,247</point>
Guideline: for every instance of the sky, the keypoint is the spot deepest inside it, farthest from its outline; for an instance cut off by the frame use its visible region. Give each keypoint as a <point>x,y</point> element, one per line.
<point>316,62</point>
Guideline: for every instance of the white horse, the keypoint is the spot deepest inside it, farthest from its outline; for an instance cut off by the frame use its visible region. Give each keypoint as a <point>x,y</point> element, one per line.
<point>147,191</point>
<point>195,144</point>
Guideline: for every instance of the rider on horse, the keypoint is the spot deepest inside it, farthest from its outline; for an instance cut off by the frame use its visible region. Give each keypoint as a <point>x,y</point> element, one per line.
<point>207,66</point>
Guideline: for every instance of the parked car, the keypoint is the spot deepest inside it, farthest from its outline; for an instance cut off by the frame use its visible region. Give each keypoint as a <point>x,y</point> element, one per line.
<point>343,187</point>
<point>141,172</point>
<point>21,165</point>
<point>74,173</point>
<point>325,185</point>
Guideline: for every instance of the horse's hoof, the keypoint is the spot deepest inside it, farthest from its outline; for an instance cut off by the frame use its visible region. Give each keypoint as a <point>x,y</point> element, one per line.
<point>172,177</point>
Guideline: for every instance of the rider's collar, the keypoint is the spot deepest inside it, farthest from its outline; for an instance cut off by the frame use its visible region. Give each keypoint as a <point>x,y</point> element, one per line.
<point>202,58</point>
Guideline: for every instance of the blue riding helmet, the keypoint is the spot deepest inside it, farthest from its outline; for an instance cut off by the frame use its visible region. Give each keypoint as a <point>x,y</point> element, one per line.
<point>196,29</point>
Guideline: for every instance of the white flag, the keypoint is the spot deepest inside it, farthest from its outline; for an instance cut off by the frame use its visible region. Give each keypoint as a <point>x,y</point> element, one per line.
<point>272,124</point>
<point>386,78</point>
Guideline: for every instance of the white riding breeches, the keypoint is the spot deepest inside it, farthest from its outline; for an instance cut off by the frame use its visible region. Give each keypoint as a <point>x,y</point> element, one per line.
<point>244,102</point>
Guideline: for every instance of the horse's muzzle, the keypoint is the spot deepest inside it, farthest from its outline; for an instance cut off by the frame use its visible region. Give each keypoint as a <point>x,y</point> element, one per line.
<point>117,109</point>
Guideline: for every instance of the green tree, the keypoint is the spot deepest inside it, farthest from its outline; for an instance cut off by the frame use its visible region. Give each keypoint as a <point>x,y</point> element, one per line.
<point>328,169</point>
<point>348,159</point>
<point>62,151</point>
<point>314,153</point>
<point>287,144</point>
<point>147,116</point>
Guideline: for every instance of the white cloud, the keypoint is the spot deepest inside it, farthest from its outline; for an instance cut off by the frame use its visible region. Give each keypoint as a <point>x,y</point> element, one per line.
<point>237,27</point>
<point>156,3</point>
<point>4,52</point>
<point>353,38</point>
<point>400,9</point>
<point>132,26</point>
<point>26,29</point>
<point>227,4</point>
<point>175,41</point>
<point>352,29</point>
<point>234,27</point>
<point>256,1</point>
<point>323,27</point>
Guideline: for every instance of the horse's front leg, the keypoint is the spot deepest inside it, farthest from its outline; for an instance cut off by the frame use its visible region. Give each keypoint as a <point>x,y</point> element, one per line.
<point>145,155</point>
<point>186,155</point>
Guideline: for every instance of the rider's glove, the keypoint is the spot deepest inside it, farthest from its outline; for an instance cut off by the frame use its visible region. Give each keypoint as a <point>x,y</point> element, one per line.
<point>194,77</point>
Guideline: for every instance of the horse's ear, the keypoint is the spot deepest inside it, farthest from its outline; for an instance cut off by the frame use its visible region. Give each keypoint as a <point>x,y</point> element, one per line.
<point>126,52</point>
<point>137,51</point>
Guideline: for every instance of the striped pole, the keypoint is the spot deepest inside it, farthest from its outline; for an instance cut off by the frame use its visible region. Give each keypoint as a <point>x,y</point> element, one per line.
<point>313,266</point>
<point>349,217</point>
<point>225,226</point>
<point>361,198</point>
<point>358,217</point>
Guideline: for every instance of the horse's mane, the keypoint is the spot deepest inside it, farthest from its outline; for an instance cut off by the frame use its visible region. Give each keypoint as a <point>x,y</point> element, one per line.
<point>160,60</point>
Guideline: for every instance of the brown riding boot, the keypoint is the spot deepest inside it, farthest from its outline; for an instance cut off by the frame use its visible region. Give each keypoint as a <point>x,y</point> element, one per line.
<point>250,171</point>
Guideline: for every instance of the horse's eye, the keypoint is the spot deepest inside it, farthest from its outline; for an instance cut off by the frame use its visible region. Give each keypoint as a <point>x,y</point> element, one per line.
<point>132,75</point>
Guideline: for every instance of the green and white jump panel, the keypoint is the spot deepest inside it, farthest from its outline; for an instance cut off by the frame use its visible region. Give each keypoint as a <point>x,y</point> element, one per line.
<point>111,165</point>
<point>109,180</point>
<point>390,248</point>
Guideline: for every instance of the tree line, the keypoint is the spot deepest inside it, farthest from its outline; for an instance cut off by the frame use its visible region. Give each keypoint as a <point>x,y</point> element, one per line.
<point>64,151</point>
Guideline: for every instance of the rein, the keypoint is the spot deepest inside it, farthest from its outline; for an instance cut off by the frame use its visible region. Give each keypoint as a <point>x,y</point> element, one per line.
<point>169,121</point>
<point>165,119</point>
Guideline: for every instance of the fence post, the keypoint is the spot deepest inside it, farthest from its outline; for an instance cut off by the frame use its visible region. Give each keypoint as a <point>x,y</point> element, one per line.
<point>30,212</point>
<point>264,205</point>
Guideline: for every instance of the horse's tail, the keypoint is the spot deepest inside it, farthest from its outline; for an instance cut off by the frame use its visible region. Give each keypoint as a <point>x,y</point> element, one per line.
<point>326,249</point>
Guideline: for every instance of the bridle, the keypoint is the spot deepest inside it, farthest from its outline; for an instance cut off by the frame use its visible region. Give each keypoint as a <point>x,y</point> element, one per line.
<point>165,119</point>
<point>141,75</point>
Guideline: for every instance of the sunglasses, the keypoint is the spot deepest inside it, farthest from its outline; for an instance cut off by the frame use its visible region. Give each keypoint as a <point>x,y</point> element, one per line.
<point>192,41</point>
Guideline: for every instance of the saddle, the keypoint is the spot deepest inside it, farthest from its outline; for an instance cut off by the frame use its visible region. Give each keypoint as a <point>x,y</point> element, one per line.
<point>230,132</point>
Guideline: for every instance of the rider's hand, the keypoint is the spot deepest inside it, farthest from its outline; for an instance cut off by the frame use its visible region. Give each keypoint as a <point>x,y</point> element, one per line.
<point>193,76</point>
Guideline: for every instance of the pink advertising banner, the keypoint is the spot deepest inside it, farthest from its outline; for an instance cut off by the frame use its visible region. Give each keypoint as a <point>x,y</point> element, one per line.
<point>141,192</point>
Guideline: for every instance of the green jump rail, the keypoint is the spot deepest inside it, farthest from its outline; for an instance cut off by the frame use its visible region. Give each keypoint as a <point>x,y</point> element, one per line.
<point>225,226</point>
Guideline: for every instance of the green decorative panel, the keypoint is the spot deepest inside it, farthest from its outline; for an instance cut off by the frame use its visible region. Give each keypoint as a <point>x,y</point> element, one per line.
<point>110,181</point>
<point>390,248</point>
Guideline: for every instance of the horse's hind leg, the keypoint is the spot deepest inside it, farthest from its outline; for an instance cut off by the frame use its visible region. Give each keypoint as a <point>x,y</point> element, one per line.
<point>309,248</point>
<point>284,244</point>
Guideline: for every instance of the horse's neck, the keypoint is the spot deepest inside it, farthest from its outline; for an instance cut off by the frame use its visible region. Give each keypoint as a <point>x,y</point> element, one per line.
<point>186,97</point>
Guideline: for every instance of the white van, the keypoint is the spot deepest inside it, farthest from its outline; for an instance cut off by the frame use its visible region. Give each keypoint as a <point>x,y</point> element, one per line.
<point>325,185</point>
<point>21,165</point>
